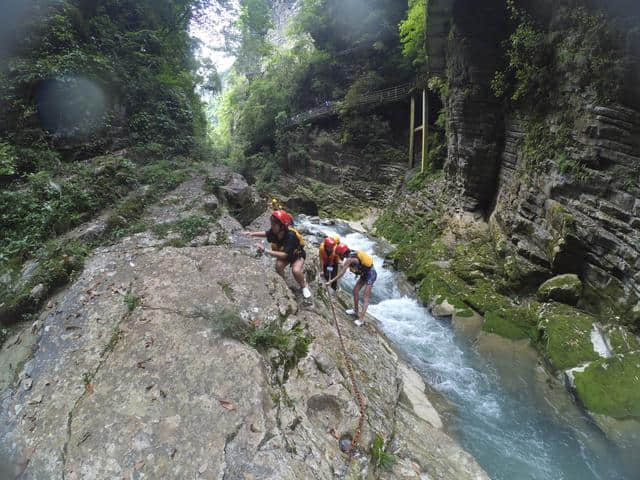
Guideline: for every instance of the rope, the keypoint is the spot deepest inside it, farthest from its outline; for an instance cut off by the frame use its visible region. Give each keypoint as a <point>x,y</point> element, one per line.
<point>354,383</point>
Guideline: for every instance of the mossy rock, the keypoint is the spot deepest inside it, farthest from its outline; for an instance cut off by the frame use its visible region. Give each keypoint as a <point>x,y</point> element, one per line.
<point>611,302</point>
<point>516,323</point>
<point>567,336</point>
<point>439,285</point>
<point>520,275</point>
<point>620,340</point>
<point>563,288</point>
<point>611,386</point>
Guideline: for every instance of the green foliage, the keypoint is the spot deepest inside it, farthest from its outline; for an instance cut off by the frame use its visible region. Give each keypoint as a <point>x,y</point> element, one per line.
<point>412,33</point>
<point>8,160</point>
<point>131,301</point>
<point>116,335</point>
<point>590,53</point>
<point>192,227</point>
<point>292,345</point>
<point>574,167</point>
<point>253,24</point>
<point>544,148</point>
<point>583,49</point>
<point>528,75</point>
<point>81,65</point>
<point>43,207</point>
<point>255,108</point>
<point>420,179</point>
<point>382,459</point>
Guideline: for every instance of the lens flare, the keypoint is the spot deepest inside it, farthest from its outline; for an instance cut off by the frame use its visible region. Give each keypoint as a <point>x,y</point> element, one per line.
<point>71,106</point>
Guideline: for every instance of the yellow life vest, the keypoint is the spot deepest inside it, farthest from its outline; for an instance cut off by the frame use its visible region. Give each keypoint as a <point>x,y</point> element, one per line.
<point>365,260</point>
<point>280,247</point>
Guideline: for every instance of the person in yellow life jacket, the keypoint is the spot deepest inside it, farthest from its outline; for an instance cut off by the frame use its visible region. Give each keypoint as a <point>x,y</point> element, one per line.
<point>329,259</point>
<point>361,264</point>
<point>287,246</point>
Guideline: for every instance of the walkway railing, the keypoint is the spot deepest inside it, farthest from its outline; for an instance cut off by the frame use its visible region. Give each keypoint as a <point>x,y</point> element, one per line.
<point>387,95</point>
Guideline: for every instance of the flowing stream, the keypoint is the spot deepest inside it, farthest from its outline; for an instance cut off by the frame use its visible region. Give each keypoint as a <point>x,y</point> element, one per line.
<point>497,403</point>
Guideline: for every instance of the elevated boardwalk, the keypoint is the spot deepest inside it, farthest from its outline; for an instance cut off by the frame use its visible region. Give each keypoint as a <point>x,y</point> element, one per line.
<point>387,95</point>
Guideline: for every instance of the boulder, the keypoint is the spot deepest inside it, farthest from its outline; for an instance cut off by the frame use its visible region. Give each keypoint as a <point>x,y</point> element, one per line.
<point>210,204</point>
<point>236,192</point>
<point>563,288</point>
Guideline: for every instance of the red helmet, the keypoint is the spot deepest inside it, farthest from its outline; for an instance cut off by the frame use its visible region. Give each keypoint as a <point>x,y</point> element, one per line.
<point>342,249</point>
<point>283,217</point>
<point>329,243</point>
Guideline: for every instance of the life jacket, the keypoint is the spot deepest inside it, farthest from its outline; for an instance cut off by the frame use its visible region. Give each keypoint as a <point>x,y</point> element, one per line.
<point>365,262</point>
<point>329,259</point>
<point>279,247</point>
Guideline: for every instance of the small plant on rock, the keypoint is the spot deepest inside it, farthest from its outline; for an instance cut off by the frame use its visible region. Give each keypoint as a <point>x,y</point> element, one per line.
<point>382,459</point>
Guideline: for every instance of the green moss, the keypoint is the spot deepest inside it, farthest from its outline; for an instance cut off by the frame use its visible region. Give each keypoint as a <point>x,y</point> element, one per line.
<point>567,336</point>
<point>515,323</point>
<point>421,179</point>
<point>475,259</point>
<point>609,302</point>
<point>498,323</point>
<point>611,386</point>
<point>440,284</point>
<point>621,340</point>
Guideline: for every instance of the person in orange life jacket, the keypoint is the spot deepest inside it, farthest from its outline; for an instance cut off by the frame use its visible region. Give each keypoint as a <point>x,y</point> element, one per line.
<point>329,260</point>
<point>361,264</point>
<point>287,247</point>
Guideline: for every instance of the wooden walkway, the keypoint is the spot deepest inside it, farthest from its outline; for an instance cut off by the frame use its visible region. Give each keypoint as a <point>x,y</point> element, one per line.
<point>387,95</point>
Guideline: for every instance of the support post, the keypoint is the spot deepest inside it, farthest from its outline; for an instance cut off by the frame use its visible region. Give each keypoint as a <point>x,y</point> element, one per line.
<point>425,127</point>
<point>412,125</point>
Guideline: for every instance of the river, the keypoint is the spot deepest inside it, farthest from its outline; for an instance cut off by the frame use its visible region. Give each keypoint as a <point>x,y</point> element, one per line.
<point>499,404</point>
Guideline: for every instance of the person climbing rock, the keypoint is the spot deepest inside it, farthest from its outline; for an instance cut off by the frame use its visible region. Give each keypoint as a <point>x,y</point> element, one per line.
<point>287,246</point>
<point>361,264</point>
<point>329,260</point>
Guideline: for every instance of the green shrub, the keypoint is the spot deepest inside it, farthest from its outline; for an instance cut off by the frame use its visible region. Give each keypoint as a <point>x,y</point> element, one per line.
<point>381,458</point>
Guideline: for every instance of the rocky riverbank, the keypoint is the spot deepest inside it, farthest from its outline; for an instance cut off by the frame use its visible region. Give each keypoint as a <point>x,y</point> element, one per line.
<point>171,358</point>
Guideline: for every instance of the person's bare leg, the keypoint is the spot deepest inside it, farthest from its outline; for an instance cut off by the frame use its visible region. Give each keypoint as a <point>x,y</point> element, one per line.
<point>280,266</point>
<point>365,301</point>
<point>297,269</point>
<point>356,296</point>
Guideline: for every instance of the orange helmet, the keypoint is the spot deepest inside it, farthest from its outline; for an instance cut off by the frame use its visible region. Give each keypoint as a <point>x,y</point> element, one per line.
<point>329,243</point>
<point>342,250</point>
<point>283,217</point>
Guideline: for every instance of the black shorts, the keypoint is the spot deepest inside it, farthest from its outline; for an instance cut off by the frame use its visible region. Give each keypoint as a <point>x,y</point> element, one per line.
<point>297,255</point>
<point>368,276</point>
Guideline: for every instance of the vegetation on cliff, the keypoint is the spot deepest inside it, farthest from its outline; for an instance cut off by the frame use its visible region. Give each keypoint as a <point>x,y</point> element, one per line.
<point>80,80</point>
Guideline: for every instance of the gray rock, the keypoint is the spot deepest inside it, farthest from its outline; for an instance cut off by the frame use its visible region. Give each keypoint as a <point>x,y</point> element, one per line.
<point>38,292</point>
<point>156,374</point>
<point>210,204</point>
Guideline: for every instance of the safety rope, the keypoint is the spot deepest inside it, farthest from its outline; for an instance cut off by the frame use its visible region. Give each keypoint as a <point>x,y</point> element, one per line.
<point>354,383</point>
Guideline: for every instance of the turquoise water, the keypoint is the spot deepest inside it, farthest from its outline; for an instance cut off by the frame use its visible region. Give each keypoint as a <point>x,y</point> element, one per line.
<point>501,412</point>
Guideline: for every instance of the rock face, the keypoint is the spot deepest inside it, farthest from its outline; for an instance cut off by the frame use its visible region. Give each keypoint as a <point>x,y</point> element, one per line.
<point>147,367</point>
<point>475,114</point>
<point>578,209</point>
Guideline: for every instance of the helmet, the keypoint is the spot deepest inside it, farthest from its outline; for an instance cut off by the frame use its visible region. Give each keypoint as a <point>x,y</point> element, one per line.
<point>342,249</point>
<point>329,243</point>
<point>283,217</point>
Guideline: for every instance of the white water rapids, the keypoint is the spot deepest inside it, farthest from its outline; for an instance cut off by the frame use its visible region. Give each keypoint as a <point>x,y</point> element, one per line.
<point>499,409</point>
